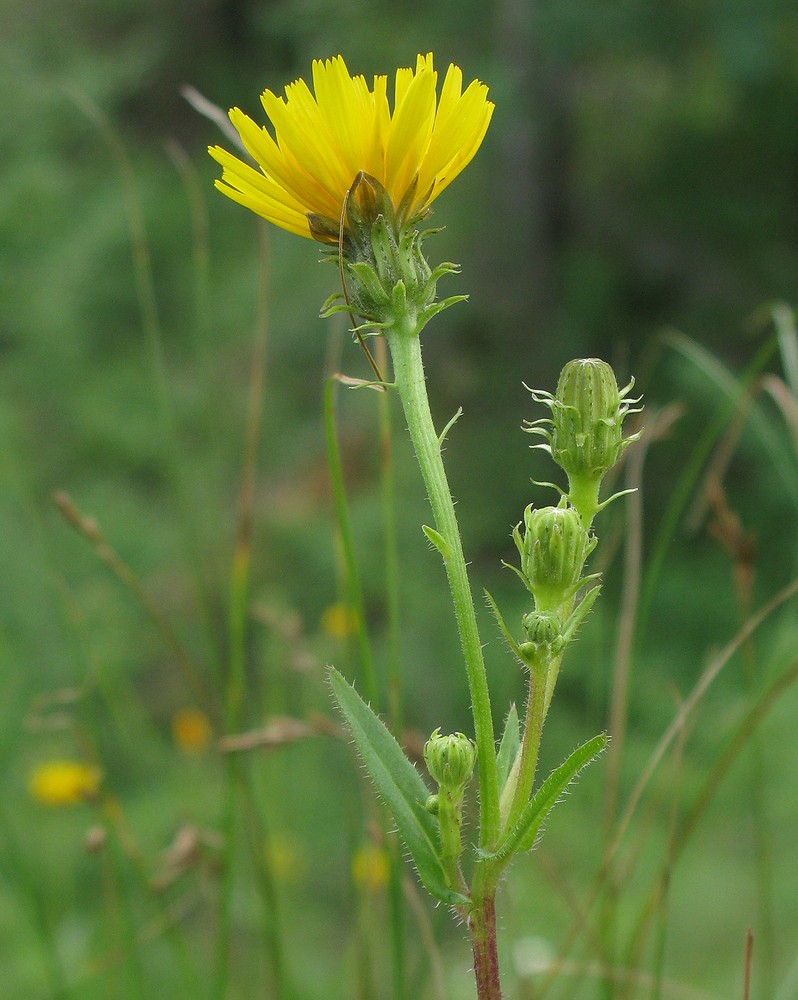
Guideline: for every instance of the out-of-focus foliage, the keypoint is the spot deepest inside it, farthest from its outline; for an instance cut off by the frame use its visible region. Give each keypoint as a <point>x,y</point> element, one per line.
<point>641,170</point>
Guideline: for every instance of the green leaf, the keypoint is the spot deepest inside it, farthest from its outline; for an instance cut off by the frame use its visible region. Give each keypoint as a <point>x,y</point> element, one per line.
<point>437,540</point>
<point>399,784</point>
<point>522,836</point>
<point>500,621</point>
<point>509,746</point>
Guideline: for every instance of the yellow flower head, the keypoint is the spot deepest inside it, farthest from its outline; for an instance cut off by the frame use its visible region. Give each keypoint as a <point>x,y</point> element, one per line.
<point>339,620</point>
<point>324,140</point>
<point>370,867</point>
<point>191,730</point>
<point>64,783</point>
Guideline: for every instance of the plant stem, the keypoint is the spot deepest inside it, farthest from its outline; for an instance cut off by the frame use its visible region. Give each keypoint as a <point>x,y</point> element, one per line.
<point>482,925</point>
<point>528,756</point>
<point>408,368</point>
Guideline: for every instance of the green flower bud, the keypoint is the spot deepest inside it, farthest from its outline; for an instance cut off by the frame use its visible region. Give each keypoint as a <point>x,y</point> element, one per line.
<point>585,432</point>
<point>542,628</point>
<point>553,550</point>
<point>587,418</point>
<point>450,759</point>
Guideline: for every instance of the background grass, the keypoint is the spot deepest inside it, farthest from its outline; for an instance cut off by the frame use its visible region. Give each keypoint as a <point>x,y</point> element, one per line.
<point>639,174</point>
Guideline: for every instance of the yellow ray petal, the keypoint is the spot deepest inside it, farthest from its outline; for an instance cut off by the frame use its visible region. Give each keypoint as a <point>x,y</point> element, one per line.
<point>323,138</point>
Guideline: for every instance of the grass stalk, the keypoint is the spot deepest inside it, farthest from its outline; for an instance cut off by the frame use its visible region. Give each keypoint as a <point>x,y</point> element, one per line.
<point>355,600</point>
<point>92,532</point>
<point>390,552</point>
<point>671,732</point>
<point>173,464</point>
<point>683,489</point>
<point>239,791</point>
<point>18,869</point>
<point>354,587</point>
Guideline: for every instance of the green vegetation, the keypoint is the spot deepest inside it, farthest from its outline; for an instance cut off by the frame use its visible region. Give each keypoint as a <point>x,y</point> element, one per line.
<point>164,368</point>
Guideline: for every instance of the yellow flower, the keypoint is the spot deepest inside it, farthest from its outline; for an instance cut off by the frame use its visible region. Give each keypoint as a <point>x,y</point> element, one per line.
<point>322,142</point>
<point>191,730</point>
<point>339,620</point>
<point>370,867</point>
<point>64,782</point>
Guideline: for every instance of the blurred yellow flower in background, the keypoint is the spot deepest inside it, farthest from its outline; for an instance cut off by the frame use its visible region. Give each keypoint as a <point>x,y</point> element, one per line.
<point>323,140</point>
<point>339,620</point>
<point>370,867</point>
<point>64,782</point>
<point>191,730</point>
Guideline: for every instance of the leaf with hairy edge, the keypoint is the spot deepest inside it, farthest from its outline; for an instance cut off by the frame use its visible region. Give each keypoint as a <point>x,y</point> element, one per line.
<point>509,746</point>
<point>399,784</point>
<point>522,836</point>
<point>438,541</point>
<point>500,622</point>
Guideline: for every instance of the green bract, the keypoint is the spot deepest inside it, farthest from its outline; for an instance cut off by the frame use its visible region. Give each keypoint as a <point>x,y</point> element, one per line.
<point>387,277</point>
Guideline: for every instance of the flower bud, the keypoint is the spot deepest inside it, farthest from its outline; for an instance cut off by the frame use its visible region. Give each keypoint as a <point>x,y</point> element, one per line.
<point>553,550</point>
<point>450,759</point>
<point>584,434</point>
<point>543,628</point>
<point>587,418</point>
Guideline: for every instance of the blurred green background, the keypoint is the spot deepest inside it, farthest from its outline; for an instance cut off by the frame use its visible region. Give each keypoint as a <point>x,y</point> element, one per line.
<point>640,177</point>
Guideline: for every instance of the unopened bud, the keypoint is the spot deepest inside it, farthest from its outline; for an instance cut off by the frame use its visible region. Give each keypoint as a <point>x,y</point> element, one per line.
<point>542,628</point>
<point>450,759</point>
<point>584,434</point>
<point>587,417</point>
<point>553,549</point>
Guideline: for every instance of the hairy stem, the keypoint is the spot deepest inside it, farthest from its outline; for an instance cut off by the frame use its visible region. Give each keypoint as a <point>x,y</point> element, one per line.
<point>408,370</point>
<point>482,925</point>
<point>528,754</point>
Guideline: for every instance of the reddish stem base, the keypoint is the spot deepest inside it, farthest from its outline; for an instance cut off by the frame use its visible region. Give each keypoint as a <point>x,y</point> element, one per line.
<point>482,924</point>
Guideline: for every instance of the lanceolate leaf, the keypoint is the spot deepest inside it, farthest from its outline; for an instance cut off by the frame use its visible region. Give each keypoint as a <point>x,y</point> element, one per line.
<point>438,541</point>
<point>498,616</point>
<point>399,784</point>
<point>522,836</point>
<point>509,746</point>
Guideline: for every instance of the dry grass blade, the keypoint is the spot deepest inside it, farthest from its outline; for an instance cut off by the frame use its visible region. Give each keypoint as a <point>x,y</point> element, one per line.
<point>749,954</point>
<point>660,423</point>
<point>709,675</point>
<point>213,113</point>
<point>785,401</point>
<point>90,530</point>
<point>278,732</point>
<point>718,466</point>
<point>613,975</point>
<point>714,778</point>
<point>705,681</point>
